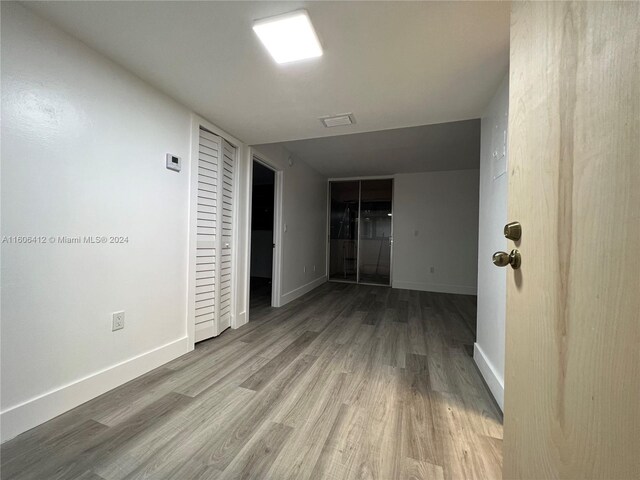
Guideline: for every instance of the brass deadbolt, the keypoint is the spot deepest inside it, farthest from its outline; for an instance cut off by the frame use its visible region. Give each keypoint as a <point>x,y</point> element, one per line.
<point>513,231</point>
<point>502,259</point>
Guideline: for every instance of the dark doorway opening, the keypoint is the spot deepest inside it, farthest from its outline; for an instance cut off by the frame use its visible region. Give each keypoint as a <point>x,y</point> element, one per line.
<point>262,208</point>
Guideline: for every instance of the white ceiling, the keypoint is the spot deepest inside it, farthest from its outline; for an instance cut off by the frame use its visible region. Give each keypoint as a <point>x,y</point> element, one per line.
<point>393,64</point>
<point>444,146</point>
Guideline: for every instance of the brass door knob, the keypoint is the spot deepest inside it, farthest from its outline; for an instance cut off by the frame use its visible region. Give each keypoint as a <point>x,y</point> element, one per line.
<point>502,259</point>
<point>513,231</point>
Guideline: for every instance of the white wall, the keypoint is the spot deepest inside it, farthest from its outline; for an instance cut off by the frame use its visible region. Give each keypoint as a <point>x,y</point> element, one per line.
<point>83,152</point>
<point>304,204</point>
<point>435,225</point>
<point>492,281</point>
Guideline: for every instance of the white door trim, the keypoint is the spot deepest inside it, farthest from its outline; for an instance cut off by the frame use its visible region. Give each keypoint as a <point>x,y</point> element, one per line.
<point>276,269</point>
<point>276,275</point>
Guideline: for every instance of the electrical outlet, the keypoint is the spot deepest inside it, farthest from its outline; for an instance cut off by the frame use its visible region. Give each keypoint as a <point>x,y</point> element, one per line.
<point>117,321</point>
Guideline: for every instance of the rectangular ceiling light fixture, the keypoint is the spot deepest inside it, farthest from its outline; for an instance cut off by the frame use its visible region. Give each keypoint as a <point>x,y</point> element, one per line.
<point>338,120</point>
<point>289,37</point>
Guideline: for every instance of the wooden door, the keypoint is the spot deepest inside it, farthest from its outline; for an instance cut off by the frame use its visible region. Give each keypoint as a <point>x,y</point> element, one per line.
<point>572,383</point>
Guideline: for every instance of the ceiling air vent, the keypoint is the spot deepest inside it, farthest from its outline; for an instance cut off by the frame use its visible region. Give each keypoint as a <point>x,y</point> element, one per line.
<point>338,120</point>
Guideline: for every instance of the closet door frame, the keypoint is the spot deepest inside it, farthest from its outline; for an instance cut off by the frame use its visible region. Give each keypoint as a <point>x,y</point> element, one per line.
<point>192,172</point>
<point>328,236</point>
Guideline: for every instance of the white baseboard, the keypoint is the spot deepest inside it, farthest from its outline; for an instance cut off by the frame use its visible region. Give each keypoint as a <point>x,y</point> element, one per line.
<point>240,320</point>
<point>35,411</point>
<point>494,380</point>
<point>298,292</point>
<point>437,287</point>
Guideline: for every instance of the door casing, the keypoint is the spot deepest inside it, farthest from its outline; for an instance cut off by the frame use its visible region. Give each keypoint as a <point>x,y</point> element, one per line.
<point>276,264</point>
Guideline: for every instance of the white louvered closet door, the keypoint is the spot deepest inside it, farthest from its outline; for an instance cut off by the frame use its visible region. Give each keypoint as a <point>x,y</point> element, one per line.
<point>214,228</point>
<point>226,199</point>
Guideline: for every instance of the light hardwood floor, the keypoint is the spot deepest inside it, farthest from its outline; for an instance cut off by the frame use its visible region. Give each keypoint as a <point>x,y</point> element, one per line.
<point>347,382</point>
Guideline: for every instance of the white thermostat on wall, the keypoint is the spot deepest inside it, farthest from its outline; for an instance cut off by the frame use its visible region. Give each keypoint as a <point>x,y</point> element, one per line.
<point>173,162</point>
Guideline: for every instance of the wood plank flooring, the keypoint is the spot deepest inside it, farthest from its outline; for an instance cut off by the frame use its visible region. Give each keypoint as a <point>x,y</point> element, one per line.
<point>347,382</point>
